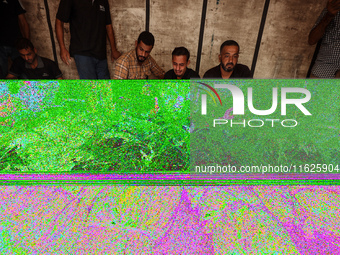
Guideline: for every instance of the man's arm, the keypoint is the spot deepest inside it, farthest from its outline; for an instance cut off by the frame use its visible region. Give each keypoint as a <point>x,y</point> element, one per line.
<point>10,76</point>
<point>59,29</point>
<point>24,27</point>
<point>114,53</point>
<point>156,70</point>
<point>121,69</point>
<point>333,7</point>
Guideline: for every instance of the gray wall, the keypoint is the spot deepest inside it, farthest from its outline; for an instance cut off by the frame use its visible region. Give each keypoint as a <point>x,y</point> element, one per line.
<point>283,52</point>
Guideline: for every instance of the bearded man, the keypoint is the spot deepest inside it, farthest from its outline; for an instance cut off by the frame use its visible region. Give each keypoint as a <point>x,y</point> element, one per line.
<point>228,67</point>
<point>137,63</point>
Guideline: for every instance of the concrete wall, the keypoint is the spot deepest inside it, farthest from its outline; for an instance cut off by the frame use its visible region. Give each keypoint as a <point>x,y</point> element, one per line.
<point>283,52</point>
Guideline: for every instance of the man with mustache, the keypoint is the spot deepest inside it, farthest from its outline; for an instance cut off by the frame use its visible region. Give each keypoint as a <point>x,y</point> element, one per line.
<point>31,66</point>
<point>228,67</point>
<point>137,63</point>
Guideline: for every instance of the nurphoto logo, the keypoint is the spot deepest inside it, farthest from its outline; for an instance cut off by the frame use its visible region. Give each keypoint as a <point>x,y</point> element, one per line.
<point>239,105</point>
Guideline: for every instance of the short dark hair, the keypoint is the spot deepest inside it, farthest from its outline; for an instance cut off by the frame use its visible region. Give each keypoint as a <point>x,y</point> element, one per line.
<point>229,43</point>
<point>147,38</point>
<point>180,51</point>
<point>24,43</point>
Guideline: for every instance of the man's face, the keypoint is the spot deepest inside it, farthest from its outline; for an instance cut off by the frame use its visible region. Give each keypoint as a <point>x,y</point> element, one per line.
<point>228,57</point>
<point>28,55</point>
<point>180,64</point>
<point>142,51</point>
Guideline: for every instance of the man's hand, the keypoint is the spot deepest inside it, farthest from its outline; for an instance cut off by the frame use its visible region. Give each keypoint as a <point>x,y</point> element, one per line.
<point>65,56</point>
<point>115,55</point>
<point>11,76</point>
<point>333,6</point>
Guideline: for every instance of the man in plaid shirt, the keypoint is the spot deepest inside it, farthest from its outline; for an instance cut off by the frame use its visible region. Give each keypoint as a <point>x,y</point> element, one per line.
<point>137,63</point>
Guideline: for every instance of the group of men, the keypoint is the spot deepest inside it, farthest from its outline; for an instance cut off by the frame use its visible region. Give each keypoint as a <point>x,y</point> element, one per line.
<point>90,25</point>
<point>138,64</point>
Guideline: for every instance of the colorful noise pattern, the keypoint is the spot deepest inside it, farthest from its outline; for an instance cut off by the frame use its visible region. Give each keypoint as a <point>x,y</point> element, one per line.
<point>32,97</point>
<point>6,108</point>
<point>170,220</point>
<point>30,94</point>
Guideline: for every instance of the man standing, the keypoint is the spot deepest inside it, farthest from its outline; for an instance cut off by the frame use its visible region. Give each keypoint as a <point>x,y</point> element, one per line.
<point>137,63</point>
<point>228,67</point>
<point>180,62</point>
<point>327,27</point>
<point>31,66</point>
<point>13,25</point>
<point>90,22</point>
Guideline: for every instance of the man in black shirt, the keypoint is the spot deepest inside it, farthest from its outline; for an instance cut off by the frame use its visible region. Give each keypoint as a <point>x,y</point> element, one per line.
<point>180,62</point>
<point>31,66</point>
<point>13,25</point>
<point>228,67</point>
<point>90,22</point>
